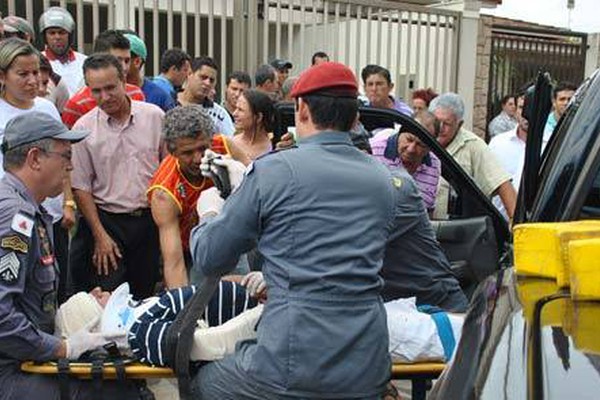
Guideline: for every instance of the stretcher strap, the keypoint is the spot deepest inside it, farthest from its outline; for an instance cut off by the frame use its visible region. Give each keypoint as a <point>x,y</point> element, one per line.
<point>444,328</point>
<point>97,372</point>
<point>63,368</point>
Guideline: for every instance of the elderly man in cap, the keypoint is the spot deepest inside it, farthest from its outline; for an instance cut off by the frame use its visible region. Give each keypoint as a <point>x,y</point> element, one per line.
<point>321,214</point>
<point>37,158</point>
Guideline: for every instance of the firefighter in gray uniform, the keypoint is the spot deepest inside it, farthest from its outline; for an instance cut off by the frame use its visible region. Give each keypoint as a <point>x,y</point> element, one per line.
<point>37,151</point>
<point>320,215</point>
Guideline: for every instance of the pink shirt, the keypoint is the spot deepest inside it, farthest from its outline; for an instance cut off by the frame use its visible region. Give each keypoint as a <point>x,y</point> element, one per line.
<point>116,163</point>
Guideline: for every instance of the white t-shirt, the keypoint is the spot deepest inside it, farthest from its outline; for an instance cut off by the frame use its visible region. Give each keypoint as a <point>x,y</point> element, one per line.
<point>71,72</point>
<point>222,120</point>
<point>510,152</point>
<point>52,204</point>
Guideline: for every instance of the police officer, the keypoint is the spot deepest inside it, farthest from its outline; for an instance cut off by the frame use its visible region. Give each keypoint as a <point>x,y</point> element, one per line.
<point>37,158</point>
<point>321,214</point>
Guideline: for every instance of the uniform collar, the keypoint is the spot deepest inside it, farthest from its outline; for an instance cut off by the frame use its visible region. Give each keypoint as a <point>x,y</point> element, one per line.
<point>14,182</point>
<point>326,137</point>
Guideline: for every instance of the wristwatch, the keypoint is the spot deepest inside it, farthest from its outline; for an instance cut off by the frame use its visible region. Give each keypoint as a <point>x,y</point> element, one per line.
<point>70,203</point>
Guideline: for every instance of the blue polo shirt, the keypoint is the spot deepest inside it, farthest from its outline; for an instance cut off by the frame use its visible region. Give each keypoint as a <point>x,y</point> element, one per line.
<point>157,95</point>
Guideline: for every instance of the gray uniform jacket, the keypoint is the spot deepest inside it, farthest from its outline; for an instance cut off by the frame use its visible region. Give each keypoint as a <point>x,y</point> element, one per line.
<point>414,263</point>
<point>321,214</point>
<point>27,286</point>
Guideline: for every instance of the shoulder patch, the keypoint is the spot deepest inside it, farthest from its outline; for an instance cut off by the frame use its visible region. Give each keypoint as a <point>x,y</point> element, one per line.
<point>397,182</point>
<point>22,224</point>
<point>15,243</point>
<point>9,267</point>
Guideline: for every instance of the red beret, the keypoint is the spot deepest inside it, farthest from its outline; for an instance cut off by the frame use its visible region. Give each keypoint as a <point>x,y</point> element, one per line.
<point>328,78</point>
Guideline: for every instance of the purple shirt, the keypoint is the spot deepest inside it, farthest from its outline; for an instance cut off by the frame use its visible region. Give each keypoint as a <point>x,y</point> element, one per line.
<point>427,174</point>
<point>399,105</point>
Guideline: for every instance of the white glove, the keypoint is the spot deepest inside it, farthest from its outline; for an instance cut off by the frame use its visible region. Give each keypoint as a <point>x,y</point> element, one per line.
<point>84,340</point>
<point>235,169</point>
<point>210,201</point>
<point>255,283</point>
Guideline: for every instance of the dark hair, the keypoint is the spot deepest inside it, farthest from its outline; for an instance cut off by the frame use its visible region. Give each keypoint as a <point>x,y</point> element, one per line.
<point>201,61</point>
<point>425,94</point>
<point>261,103</point>
<point>173,58</point>
<point>318,54</point>
<point>373,69</point>
<point>103,60</point>
<point>563,86</point>
<point>47,67</point>
<point>110,39</point>
<point>240,76</point>
<point>506,98</point>
<point>263,74</point>
<point>327,112</point>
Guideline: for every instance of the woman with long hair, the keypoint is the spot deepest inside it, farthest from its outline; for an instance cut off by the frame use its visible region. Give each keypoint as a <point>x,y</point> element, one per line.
<point>254,118</point>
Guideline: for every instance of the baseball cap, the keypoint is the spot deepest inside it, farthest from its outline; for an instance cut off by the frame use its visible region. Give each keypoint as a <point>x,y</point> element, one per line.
<point>330,78</point>
<point>36,125</point>
<point>14,24</point>
<point>279,64</point>
<point>138,47</point>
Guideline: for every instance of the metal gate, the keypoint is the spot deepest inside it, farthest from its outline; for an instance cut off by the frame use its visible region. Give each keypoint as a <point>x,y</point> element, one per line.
<point>419,45</point>
<point>518,54</point>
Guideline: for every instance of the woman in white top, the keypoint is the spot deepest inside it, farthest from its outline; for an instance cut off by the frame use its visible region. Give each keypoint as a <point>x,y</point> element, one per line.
<point>19,84</point>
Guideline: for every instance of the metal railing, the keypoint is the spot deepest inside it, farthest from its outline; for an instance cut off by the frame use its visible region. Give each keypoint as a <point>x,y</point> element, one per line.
<point>418,45</point>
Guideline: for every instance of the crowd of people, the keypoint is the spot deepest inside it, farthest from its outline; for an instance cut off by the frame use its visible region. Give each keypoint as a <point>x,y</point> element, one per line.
<point>107,179</point>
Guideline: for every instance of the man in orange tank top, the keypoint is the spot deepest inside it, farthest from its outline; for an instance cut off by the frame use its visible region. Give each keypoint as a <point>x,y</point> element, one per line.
<point>176,186</point>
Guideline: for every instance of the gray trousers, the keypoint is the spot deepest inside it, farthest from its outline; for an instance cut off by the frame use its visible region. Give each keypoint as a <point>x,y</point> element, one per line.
<point>223,380</point>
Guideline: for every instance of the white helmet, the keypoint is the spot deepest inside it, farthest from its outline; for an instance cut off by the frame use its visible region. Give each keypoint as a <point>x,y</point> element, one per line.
<point>56,17</point>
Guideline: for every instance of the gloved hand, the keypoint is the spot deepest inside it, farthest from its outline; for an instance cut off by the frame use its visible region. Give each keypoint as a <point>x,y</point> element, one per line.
<point>235,169</point>
<point>255,283</point>
<point>209,201</point>
<point>84,340</point>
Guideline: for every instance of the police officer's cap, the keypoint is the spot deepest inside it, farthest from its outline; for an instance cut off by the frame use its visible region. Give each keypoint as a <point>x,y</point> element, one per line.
<point>326,79</point>
<point>34,126</point>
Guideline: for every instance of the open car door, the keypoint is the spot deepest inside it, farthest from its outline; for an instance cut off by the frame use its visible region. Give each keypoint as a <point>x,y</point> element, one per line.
<point>475,237</point>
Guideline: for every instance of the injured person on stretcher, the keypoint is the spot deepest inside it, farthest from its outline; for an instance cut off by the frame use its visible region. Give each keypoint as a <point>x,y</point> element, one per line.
<point>417,334</point>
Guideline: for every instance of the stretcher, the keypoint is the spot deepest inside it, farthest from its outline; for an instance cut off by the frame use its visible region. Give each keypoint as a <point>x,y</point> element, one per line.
<point>419,373</point>
<point>179,343</point>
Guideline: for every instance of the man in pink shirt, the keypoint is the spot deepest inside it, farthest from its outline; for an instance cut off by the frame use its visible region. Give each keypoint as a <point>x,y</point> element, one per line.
<point>117,240</point>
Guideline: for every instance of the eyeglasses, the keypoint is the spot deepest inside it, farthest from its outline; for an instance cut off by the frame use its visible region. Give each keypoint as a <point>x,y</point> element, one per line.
<point>66,155</point>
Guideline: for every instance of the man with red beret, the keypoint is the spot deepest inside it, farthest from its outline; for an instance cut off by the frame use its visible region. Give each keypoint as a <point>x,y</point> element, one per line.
<point>321,214</point>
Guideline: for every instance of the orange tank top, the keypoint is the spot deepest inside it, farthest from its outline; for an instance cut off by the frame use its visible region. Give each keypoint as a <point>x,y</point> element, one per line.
<point>168,177</point>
